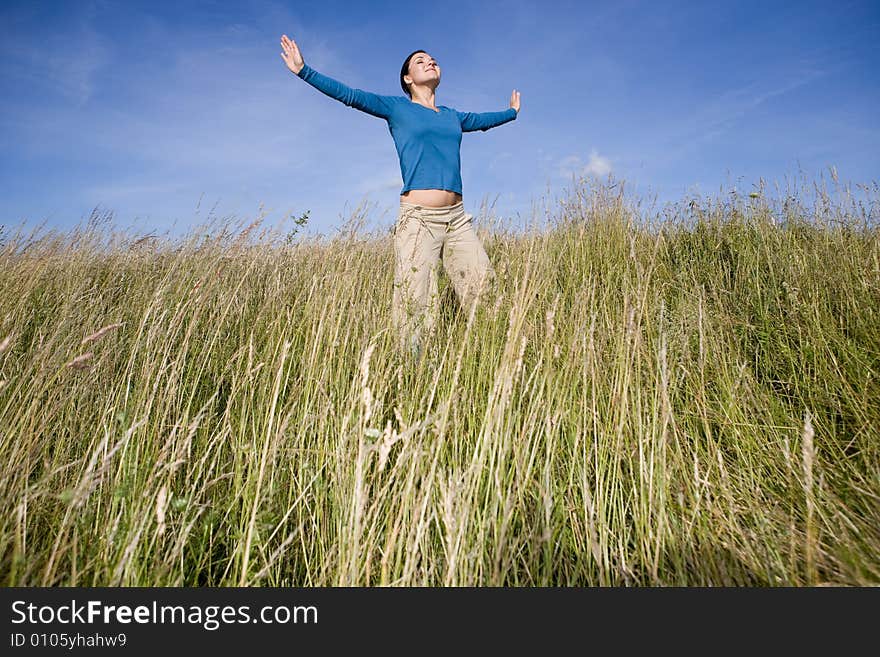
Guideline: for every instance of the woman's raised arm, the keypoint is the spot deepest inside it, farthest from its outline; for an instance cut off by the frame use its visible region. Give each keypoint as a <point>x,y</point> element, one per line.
<point>374,104</point>
<point>471,121</point>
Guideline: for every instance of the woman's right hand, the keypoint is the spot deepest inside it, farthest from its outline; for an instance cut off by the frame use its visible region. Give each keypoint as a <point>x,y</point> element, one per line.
<point>291,55</point>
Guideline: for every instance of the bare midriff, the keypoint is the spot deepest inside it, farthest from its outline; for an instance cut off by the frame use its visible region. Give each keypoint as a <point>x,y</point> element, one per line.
<point>432,198</point>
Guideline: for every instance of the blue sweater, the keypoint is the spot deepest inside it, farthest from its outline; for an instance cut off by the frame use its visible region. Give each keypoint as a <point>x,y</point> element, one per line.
<point>428,142</point>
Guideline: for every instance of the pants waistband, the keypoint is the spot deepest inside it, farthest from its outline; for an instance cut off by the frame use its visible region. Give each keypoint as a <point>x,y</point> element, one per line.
<point>429,211</point>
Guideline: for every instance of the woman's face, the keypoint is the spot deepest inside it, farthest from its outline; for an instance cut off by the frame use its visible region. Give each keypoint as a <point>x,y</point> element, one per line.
<point>423,69</point>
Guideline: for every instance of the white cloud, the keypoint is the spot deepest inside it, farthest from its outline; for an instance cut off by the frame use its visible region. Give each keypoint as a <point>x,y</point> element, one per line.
<point>598,165</point>
<point>572,165</point>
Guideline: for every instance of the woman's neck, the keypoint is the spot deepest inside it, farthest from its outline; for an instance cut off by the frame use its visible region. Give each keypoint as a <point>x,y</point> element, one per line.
<point>425,98</point>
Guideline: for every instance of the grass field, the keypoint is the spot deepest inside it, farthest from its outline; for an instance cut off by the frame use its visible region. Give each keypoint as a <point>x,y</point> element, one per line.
<point>690,401</point>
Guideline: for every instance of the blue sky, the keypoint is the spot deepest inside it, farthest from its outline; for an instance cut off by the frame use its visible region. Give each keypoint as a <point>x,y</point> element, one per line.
<point>165,113</point>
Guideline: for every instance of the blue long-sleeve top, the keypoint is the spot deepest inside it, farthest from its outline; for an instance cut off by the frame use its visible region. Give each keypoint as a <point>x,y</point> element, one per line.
<point>428,141</point>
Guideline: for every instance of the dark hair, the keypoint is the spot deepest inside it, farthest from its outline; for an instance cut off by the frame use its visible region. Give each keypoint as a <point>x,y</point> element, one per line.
<point>405,69</point>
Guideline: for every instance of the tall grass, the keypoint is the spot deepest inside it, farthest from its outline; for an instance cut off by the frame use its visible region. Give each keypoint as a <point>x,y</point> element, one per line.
<point>686,395</point>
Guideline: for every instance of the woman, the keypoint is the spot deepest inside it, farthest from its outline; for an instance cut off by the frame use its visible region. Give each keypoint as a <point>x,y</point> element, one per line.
<point>431,222</point>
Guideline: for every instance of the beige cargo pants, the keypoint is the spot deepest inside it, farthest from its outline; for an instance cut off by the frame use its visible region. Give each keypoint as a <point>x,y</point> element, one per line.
<point>423,236</point>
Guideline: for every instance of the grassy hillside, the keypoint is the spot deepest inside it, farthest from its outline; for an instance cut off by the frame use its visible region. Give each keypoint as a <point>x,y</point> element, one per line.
<point>688,401</point>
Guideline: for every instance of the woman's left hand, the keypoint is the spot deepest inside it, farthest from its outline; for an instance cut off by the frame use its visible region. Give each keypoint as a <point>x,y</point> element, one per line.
<point>514,100</point>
